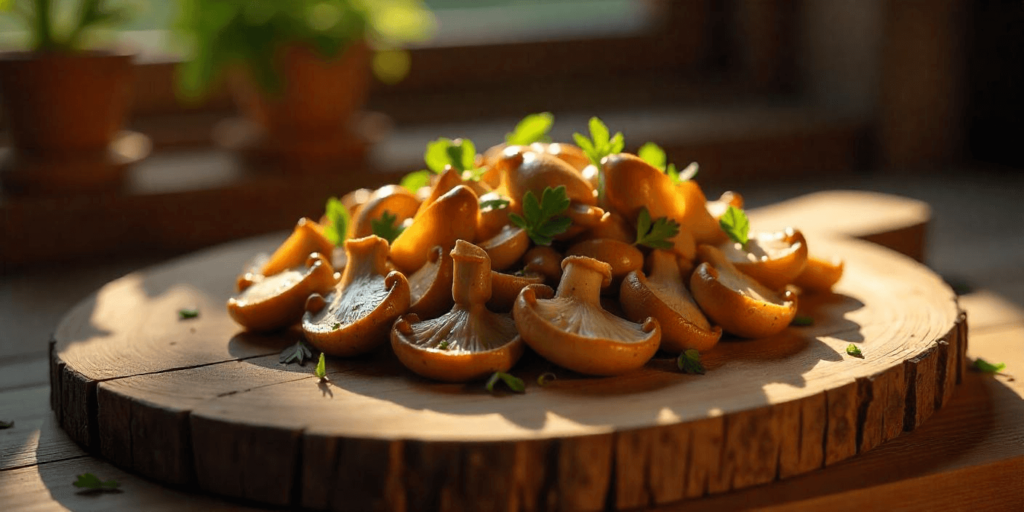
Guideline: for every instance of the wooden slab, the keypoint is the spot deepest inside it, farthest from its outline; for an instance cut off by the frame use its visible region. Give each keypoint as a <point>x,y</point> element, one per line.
<point>198,403</point>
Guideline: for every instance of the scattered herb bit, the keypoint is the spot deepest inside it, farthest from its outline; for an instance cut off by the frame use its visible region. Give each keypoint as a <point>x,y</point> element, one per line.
<point>802,321</point>
<point>689,362</point>
<point>460,154</point>
<point>736,225</point>
<point>854,351</point>
<point>187,313</point>
<point>443,345</point>
<point>387,226</point>
<point>6,425</point>
<point>416,180</point>
<point>338,220</point>
<point>598,146</point>
<point>533,128</point>
<point>514,383</point>
<point>542,219</point>
<point>92,482</point>
<point>321,368</point>
<point>494,204</point>
<point>336,326</point>
<point>654,155</point>
<point>982,365</point>
<point>545,378</point>
<point>297,353</point>
<point>655,235</point>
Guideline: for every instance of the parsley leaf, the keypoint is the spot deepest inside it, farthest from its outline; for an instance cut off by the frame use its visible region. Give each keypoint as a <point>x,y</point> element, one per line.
<point>387,226</point>
<point>6,425</point>
<point>546,377</point>
<point>494,204</point>
<point>92,482</point>
<point>514,383</point>
<point>338,220</point>
<point>984,366</point>
<point>533,128</point>
<point>654,155</point>
<point>542,219</point>
<point>854,351</point>
<point>689,362</point>
<point>187,313</point>
<point>460,154</point>
<point>656,235</point>
<point>802,321</point>
<point>600,144</point>
<point>414,181</point>
<point>443,345</point>
<point>297,353</point>
<point>321,368</point>
<point>735,224</point>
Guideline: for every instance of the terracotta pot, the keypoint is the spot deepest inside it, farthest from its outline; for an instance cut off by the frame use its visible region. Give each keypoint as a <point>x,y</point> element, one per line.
<point>65,102</point>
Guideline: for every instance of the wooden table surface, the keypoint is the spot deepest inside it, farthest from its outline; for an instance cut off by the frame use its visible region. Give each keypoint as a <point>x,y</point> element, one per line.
<point>970,454</point>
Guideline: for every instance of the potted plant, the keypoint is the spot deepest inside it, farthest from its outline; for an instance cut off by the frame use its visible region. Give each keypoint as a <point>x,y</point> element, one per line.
<point>65,100</point>
<point>298,70</point>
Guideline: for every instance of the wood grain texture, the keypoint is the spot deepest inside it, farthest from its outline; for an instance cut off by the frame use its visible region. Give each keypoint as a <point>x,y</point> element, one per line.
<point>237,423</point>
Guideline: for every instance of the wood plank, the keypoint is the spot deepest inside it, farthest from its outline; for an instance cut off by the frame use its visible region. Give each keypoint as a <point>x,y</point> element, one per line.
<point>35,438</point>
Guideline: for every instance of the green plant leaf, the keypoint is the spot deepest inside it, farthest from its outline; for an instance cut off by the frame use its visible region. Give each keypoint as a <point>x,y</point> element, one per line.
<point>802,321</point>
<point>437,155</point>
<point>689,362</point>
<point>512,382</point>
<point>338,220</point>
<point>387,226</point>
<point>546,377</point>
<point>187,313</point>
<point>854,351</point>
<point>735,224</point>
<point>494,204</point>
<point>321,368</point>
<point>91,482</point>
<point>414,181</point>
<point>533,128</point>
<point>460,154</point>
<point>598,132</point>
<point>984,366</point>
<point>656,234</point>
<point>653,154</point>
<point>543,219</point>
<point>297,353</point>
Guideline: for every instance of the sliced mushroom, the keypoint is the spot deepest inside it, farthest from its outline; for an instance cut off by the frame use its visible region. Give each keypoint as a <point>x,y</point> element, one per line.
<point>393,199</point>
<point>442,223</point>
<point>469,342</point>
<point>545,261</point>
<point>583,217</point>
<point>529,171</point>
<point>571,329</point>
<point>307,237</point>
<point>506,287</point>
<point>662,295</point>
<point>737,302</point>
<point>443,184</point>
<point>820,274</point>
<point>622,258</point>
<point>278,301</point>
<point>613,226</point>
<point>355,317</point>
<point>567,153</point>
<point>490,219</point>
<point>507,247</point>
<point>718,207</point>
<point>431,285</point>
<point>251,270</point>
<point>773,259</point>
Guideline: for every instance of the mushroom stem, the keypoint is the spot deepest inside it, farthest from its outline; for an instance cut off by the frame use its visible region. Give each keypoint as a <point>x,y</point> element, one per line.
<point>471,275</point>
<point>664,266</point>
<point>583,278</point>
<point>366,256</point>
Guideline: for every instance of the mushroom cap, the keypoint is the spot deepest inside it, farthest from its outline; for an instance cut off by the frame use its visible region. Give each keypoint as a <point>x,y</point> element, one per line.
<point>505,289</point>
<point>490,220</point>
<point>737,302</point>
<point>443,184</point>
<point>440,224</point>
<point>622,258</point>
<point>355,317</point>
<point>568,153</point>
<point>431,285</point>
<point>532,171</point>
<point>820,274</point>
<point>773,259</point>
<point>506,247</point>
<point>583,217</point>
<point>613,226</point>
<point>278,301</point>
<point>545,261</point>
<point>571,329</point>
<point>390,198</point>
<point>663,296</point>
<point>307,237</point>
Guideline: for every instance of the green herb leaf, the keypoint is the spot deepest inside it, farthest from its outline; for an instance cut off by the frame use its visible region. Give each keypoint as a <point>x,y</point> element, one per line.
<point>338,220</point>
<point>689,362</point>
<point>6,425</point>
<point>187,313</point>
<point>533,128</point>
<point>92,482</point>
<point>387,226</point>
<point>546,377</point>
<point>443,345</point>
<point>735,224</point>
<point>854,351</point>
<point>514,383</point>
<point>414,181</point>
<point>802,321</point>
<point>982,365</point>
<point>321,368</point>
<point>655,235</point>
<point>460,154</point>
<point>297,353</point>
<point>599,145</point>
<point>336,326</point>
<point>653,154</point>
<point>543,220</point>
<point>494,204</point>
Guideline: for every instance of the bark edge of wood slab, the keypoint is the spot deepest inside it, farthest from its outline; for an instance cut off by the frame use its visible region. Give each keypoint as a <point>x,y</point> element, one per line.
<point>197,404</point>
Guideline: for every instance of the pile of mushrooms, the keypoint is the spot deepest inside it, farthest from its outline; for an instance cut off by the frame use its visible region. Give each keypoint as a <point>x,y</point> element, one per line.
<point>463,289</point>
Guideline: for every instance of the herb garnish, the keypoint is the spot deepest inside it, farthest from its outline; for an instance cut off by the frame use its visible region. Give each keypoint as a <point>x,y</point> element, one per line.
<point>6,425</point>
<point>387,226</point>
<point>689,362</point>
<point>187,313</point>
<point>542,219</point>
<point>986,367</point>
<point>600,144</point>
<point>91,482</point>
<point>533,128</point>
<point>546,377</point>
<point>655,235</point>
<point>854,351</point>
<point>415,180</point>
<point>514,383</point>
<point>321,368</point>
<point>460,154</point>
<point>338,220</point>
<point>802,321</point>
<point>654,155</point>
<point>297,353</point>
<point>443,345</point>
<point>336,326</point>
<point>494,204</point>
<point>735,224</point>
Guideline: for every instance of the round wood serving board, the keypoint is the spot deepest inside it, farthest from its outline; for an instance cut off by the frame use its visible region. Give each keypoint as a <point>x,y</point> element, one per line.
<point>200,403</point>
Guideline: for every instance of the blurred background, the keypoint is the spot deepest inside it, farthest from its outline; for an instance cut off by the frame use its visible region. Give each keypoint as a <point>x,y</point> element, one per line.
<point>223,119</point>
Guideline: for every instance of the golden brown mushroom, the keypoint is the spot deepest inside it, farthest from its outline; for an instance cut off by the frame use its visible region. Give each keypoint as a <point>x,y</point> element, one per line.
<point>507,247</point>
<point>390,198</point>
<point>278,301</point>
<point>622,257</point>
<point>505,289</point>
<point>442,223</point>
<point>355,317</point>
<point>820,274</point>
<point>613,226</point>
<point>571,329</point>
<point>431,285</point>
<point>718,207</point>
<point>532,171</point>
<point>491,217</point>
<point>469,342</point>
<point>773,259</point>
<point>735,301</point>
<point>307,237</point>
<point>544,261</point>
<point>661,294</point>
